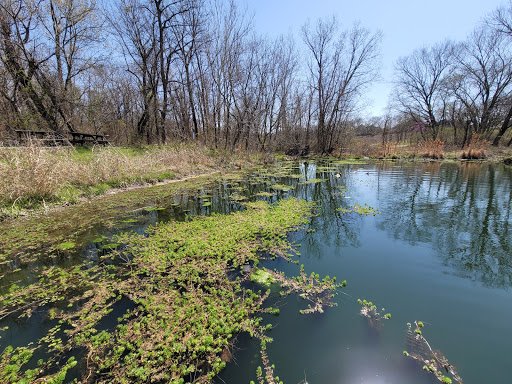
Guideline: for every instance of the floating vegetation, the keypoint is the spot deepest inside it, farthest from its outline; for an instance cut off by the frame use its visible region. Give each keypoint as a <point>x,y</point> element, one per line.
<point>65,246</point>
<point>110,246</point>
<point>360,209</point>
<point>265,194</point>
<point>150,209</point>
<point>433,361</point>
<point>282,187</point>
<point>27,239</point>
<point>312,181</point>
<point>349,162</point>
<point>129,221</point>
<point>262,276</point>
<point>318,292</point>
<point>183,309</point>
<point>369,310</point>
<point>237,197</point>
<point>268,377</point>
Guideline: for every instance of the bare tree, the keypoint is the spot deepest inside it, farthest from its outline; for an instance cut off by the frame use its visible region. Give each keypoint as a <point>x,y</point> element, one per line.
<point>420,84</point>
<point>47,46</point>
<point>341,65</point>
<point>501,22</point>
<point>483,78</point>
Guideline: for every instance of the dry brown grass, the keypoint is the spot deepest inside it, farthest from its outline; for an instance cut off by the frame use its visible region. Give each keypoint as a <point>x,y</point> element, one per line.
<point>433,149</point>
<point>35,174</point>
<point>475,149</point>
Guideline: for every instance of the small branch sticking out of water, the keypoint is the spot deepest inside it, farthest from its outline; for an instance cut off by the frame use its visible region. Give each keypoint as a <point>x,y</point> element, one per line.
<point>434,361</point>
<point>269,377</point>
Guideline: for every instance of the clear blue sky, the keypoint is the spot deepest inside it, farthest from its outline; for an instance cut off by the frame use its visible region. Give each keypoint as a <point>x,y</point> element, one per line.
<point>406,25</point>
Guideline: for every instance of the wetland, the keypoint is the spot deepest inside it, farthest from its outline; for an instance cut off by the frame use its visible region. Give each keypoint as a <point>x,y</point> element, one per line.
<point>184,282</point>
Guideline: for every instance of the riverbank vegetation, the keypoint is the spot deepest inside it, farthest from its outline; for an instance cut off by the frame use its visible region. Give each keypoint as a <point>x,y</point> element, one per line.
<point>166,308</point>
<point>35,177</point>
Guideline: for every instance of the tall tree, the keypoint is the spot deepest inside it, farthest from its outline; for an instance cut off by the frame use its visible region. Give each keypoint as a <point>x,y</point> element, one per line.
<point>341,65</point>
<point>420,89</point>
<point>501,22</point>
<point>47,46</point>
<point>483,78</point>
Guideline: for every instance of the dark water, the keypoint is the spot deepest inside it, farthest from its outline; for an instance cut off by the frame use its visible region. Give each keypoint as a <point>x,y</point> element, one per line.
<point>439,251</point>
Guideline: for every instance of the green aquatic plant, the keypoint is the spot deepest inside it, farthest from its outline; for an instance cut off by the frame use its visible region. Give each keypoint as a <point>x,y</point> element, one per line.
<point>319,293</point>
<point>312,181</point>
<point>151,209</point>
<point>266,375</point>
<point>282,187</point>
<point>369,311</point>
<point>262,276</point>
<point>360,209</point>
<point>349,162</point>
<point>433,361</point>
<point>65,246</point>
<point>185,307</point>
<point>265,194</point>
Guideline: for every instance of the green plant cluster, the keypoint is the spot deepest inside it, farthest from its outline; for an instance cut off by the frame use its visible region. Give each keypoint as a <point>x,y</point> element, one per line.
<point>318,292</point>
<point>360,209</point>
<point>184,309</point>
<point>369,310</point>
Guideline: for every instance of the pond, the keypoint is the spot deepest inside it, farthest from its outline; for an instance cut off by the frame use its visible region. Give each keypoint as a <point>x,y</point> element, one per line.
<point>428,242</point>
<point>438,252</point>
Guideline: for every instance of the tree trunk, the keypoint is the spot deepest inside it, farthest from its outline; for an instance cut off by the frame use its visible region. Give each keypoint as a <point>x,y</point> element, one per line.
<point>504,127</point>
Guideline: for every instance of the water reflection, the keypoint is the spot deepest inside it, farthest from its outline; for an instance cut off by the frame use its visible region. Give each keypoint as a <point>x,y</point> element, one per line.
<point>462,210</point>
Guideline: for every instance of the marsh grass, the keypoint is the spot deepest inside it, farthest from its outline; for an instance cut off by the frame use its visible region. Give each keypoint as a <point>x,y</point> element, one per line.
<point>476,149</point>
<point>34,176</point>
<point>432,149</point>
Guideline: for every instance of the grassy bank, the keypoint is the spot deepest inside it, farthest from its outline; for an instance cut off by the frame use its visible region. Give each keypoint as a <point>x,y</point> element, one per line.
<point>34,177</point>
<point>176,300</point>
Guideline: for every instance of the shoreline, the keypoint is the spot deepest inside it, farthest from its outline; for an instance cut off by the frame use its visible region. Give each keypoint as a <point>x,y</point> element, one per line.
<point>46,207</point>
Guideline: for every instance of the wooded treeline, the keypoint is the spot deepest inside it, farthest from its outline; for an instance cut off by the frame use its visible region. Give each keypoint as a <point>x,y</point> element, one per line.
<point>156,71</point>
<point>465,87</point>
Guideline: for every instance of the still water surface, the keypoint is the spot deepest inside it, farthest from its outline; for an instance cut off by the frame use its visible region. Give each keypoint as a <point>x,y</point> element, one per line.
<point>439,252</point>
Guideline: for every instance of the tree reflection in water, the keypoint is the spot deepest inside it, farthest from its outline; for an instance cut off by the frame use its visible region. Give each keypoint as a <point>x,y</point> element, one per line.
<point>463,210</point>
